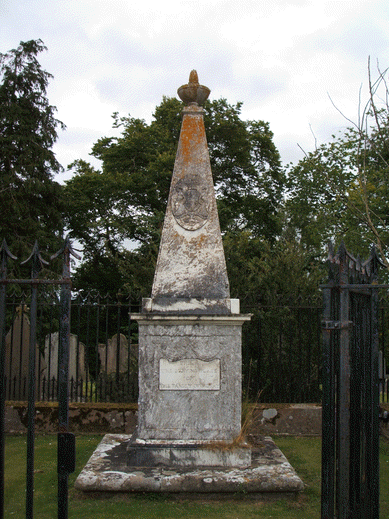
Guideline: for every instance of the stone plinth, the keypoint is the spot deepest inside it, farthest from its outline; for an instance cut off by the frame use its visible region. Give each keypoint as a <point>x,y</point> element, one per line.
<point>269,476</point>
<point>159,453</point>
<point>189,377</point>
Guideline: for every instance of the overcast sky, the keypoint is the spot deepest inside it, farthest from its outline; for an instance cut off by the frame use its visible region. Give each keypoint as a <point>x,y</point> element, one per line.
<point>281,58</point>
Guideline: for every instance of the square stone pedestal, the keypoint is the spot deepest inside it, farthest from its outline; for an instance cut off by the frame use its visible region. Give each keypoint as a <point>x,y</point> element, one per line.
<point>190,377</point>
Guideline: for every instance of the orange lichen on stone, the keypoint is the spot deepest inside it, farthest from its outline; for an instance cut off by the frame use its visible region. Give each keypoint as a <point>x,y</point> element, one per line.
<point>192,136</point>
<point>193,77</point>
<point>193,93</point>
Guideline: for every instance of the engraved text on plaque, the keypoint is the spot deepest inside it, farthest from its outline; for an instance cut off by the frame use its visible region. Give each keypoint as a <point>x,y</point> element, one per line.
<point>193,374</point>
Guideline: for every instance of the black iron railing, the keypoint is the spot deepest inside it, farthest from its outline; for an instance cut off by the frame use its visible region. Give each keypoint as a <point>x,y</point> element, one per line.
<point>282,350</point>
<point>351,388</point>
<point>102,349</point>
<point>27,360</point>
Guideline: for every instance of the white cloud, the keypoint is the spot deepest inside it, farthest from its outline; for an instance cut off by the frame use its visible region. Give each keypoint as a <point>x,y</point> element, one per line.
<point>281,58</point>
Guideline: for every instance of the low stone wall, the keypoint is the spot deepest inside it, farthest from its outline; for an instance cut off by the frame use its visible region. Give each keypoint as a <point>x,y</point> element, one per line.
<point>266,419</point>
<point>287,419</point>
<point>83,418</point>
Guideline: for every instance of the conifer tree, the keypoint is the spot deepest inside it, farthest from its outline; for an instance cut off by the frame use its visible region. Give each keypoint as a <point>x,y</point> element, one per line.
<point>30,199</point>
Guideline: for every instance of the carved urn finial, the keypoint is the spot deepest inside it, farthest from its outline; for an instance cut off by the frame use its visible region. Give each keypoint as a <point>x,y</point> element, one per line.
<point>193,93</point>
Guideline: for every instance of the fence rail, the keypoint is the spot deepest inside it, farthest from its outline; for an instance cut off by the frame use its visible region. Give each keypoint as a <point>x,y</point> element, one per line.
<point>103,349</point>
<point>282,350</point>
<point>284,346</point>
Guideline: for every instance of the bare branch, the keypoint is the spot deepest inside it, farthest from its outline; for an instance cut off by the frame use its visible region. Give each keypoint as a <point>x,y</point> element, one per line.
<point>372,93</point>
<point>314,136</point>
<point>341,113</point>
<point>305,153</point>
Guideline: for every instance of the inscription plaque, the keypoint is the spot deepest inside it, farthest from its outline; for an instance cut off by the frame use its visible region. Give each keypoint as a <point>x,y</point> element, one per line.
<point>192,374</point>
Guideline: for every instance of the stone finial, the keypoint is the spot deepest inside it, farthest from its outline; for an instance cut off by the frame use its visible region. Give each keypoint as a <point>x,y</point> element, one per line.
<point>193,93</point>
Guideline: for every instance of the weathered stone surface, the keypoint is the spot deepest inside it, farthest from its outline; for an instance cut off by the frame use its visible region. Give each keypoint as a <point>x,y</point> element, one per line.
<point>12,421</point>
<point>190,306</point>
<point>17,348</point>
<point>189,332</point>
<point>193,92</point>
<point>107,470</point>
<point>76,368</point>
<point>191,267</point>
<point>189,374</point>
<point>108,355</point>
<point>190,329</point>
<point>156,453</point>
<point>291,419</point>
<point>269,414</point>
<point>196,414</point>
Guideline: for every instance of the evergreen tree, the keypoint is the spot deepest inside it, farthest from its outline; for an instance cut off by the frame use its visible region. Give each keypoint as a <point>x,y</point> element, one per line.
<point>30,200</point>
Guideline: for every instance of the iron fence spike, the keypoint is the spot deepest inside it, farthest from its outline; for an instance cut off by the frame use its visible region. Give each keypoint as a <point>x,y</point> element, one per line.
<point>358,264</point>
<point>4,249</point>
<point>37,255</point>
<point>374,260</point>
<point>342,251</point>
<point>66,245</point>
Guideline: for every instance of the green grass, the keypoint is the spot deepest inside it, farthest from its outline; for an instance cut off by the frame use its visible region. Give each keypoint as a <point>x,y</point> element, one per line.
<point>303,453</point>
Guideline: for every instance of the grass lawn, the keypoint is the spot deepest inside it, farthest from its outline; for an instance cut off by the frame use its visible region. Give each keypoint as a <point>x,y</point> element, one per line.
<point>303,453</point>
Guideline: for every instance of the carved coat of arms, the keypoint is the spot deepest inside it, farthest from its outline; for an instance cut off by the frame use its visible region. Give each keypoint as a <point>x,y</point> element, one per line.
<point>189,203</point>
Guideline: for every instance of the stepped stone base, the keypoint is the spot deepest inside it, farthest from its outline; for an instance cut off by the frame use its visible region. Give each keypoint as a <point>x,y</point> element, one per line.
<point>109,470</point>
<point>159,453</point>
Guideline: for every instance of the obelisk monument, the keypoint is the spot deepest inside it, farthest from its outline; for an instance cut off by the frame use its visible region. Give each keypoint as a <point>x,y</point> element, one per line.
<point>190,338</point>
<point>190,329</point>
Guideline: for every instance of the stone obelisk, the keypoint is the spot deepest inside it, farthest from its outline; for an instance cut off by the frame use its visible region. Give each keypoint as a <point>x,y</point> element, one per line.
<point>190,329</point>
<point>190,337</point>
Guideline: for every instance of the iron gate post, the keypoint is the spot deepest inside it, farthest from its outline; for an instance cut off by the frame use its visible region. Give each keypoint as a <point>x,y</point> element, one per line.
<point>4,255</point>
<point>2,378</point>
<point>328,418</point>
<point>66,452</point>
<point>343,393</point>
<point>373,446</point>
<point>350,428</point>
<point>65,440</point>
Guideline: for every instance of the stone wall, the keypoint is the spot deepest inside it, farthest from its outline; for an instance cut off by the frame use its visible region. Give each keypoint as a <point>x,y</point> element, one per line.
<point>83,418</point>
<point>284,419</point>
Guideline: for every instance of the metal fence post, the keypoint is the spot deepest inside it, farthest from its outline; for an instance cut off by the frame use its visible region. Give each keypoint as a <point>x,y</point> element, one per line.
<point>66,440</point>
<point>350,440</point>
<point>2,376</point>
<point>4,255</point>
<point>373,445</point>
<point>37,263</point>
<point>343,401</point>
<point>328,418</point>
